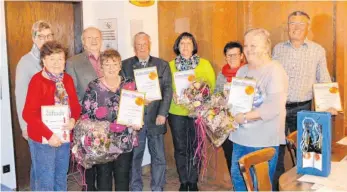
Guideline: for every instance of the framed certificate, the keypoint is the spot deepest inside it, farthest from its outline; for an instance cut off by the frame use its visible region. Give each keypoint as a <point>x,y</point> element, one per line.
<point>327,95</point>
<point>183,79</point>
<point>54,117</point>
<point>131,108</point>
<point>147,82</point>
<point>241,95</point>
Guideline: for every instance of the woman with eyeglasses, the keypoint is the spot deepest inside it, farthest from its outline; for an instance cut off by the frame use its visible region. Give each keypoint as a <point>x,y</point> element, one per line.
<point>233,52</point>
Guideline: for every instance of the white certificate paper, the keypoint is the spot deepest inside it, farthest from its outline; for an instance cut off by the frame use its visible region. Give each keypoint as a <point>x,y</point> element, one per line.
<point>131,108</point>
<point>183,79</point>
<point>327,95</point>
<point>54,117</point>
<point>147,81</point>
<point>241,95</point>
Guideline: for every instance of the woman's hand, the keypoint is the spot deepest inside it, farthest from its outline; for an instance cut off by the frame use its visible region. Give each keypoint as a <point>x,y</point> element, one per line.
<point>175,97</point>
<point>70,124</point>
<point>54,141</point>
<point>239,118</point>
<point>332,111</point>
<point>147,102</point>
<point>135,127</point>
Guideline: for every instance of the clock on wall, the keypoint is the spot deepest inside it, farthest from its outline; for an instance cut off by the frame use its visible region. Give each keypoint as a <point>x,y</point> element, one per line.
<point>142,3</point>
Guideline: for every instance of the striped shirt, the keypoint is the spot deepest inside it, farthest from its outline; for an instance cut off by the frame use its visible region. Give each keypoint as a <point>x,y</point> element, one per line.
<point>305,66</point>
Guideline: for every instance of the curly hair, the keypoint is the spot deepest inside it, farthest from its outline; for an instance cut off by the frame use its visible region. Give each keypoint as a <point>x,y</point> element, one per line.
<point>50,48</point>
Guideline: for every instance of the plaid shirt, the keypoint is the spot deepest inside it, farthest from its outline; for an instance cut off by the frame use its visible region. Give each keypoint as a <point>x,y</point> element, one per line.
<point>305,66</point>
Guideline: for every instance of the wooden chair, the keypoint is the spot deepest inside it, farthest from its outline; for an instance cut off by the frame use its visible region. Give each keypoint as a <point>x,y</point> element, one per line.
<point>292,146</point>
<point>257,160</point>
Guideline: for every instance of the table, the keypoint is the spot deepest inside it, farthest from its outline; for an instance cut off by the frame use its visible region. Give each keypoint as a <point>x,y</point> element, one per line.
<point>288,181</point>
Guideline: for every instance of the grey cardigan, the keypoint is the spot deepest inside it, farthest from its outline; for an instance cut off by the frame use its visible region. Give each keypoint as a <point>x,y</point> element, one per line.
<point>155,108</point>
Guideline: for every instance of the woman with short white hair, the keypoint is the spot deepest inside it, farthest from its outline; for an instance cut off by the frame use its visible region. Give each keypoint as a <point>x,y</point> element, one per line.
<point>263,126</point>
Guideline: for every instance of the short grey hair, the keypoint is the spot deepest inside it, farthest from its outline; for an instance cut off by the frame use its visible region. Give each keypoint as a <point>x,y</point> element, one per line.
<point>39,26</point>
<point>263,33</point>
<point>88,28</point>
<point>140,34</point>
<point>299,13</point>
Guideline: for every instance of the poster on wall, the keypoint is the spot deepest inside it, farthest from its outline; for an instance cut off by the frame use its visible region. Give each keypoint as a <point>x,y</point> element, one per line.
<point>108,28</point>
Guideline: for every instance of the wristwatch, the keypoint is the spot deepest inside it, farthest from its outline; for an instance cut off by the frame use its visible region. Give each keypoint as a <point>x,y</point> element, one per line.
<point>244,119</point>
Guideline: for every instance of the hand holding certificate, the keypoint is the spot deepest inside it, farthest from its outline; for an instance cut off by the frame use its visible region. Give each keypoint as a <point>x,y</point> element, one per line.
<point>327,95</point>
<point>183,79</point>
<point>147,82</point>
<point>131,108</point>
<point>241,95</point>
<point>55,117</point>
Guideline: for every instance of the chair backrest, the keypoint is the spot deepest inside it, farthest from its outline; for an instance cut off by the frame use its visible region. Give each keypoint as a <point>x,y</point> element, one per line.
<point>259,160</point>
<point>292,145</point>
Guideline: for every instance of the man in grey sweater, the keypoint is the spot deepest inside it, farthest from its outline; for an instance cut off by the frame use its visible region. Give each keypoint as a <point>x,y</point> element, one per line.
<point>28,66</point>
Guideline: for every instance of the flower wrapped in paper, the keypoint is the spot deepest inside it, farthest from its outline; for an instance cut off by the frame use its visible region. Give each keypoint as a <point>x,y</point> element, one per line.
<point>98,142</point>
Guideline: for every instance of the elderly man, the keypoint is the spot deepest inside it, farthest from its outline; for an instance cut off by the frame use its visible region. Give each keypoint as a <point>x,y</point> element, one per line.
<point>84,68</point>
<point>305,63</point>
<point>29,65</point>
<point>155,115</point>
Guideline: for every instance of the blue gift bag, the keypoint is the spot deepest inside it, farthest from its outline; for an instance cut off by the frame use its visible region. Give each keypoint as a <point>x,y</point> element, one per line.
<point>314,143</point>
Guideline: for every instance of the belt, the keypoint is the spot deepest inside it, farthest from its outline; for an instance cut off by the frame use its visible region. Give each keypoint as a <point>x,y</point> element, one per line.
<point>296,104</point>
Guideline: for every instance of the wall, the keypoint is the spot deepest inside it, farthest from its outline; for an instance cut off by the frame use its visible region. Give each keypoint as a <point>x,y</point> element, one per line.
<point>7,153</point>
<point>125,13</point>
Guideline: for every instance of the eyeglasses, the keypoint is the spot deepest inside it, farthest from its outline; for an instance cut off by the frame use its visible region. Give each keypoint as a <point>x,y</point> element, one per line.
<point>299,24</point>
<point>44,37</point>
<point>235,55</point>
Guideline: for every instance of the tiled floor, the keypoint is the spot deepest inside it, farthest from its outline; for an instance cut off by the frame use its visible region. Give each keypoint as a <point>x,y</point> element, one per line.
<point>172,183</point>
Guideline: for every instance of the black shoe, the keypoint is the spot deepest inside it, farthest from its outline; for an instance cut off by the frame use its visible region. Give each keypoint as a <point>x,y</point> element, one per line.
<point>193,187</point>
<point>183,187</point>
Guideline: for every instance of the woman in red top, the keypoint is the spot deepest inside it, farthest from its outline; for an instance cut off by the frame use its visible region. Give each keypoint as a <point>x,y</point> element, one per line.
<point>50,87</point>
<point>233,53</point>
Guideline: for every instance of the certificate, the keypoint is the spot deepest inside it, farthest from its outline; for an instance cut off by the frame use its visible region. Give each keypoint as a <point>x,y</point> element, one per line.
<point>131,108</point>
<point>147,82</point>
<point>54,117</point>
<point>183,79</point>
<point>327,95</point>
<point>241,95</point>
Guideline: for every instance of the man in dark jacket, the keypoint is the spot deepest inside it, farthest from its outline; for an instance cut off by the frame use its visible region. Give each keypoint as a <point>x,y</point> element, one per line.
<point>155,115</point>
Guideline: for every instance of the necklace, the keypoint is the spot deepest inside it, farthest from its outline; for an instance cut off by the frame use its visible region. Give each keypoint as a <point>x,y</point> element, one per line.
<point>112,87</point>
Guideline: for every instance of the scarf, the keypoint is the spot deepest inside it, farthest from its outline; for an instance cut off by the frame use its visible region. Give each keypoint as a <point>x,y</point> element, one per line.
<point>183,64</point>
<point>61,97</point>
<point>229,72</point>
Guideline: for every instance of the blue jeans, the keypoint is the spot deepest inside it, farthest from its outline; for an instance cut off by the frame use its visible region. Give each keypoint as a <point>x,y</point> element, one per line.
<point>236,175</point>
<point>49,166</point>
<point>158,161</point>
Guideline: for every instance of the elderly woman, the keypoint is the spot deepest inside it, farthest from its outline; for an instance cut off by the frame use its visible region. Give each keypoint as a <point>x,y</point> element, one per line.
<point>100,103</point>
<point>233,53</point>
<point>263,126</point>
<point>182,126</point>
<point>50,87</point>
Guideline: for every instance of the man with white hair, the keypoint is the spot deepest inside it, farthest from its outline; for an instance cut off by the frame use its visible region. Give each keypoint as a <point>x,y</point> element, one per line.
<point>84,68</point>
<point>29,65</point>
<point>155,115</point>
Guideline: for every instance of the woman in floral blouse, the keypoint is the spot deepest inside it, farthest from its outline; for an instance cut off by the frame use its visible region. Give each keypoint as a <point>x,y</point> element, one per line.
<point>101,102</point>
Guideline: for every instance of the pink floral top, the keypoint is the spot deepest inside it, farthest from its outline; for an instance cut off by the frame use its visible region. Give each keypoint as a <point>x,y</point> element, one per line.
<point>101,104</point>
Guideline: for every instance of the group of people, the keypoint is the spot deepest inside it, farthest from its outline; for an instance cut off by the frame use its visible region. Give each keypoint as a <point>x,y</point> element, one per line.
<point>94,79</point>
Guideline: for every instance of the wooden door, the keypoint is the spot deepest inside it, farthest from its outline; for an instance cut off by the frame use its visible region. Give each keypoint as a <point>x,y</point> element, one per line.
<point>20,17</point>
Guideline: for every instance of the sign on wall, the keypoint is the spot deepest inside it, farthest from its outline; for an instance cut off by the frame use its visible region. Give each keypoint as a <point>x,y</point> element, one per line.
<point>108,28</point>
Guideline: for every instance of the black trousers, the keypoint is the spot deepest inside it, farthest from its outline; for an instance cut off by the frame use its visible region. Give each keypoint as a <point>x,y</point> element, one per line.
<point>291,126</point>
<point>185,144</point>
<point>228,151</point>
<point>102,174</point>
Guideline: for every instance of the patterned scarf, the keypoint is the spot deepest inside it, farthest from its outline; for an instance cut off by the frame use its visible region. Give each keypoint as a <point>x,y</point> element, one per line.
<point>183,64</point>
<point>61,97</point>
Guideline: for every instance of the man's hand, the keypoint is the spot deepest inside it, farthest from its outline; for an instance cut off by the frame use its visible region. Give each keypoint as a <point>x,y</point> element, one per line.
<point>332,111</point>
<point>160,120</point>
<point>147,102</point>
<point>54,141</point>
<point>25,134</point>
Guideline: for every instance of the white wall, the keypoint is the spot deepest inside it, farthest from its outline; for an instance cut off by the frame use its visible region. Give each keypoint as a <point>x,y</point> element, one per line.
<point>125,12</point>
<point>7,153</point>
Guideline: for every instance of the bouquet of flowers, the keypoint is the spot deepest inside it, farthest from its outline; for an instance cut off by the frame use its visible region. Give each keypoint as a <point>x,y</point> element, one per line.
<point>194,97</point>
<point>218,120</point>
<point>97,142</point>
